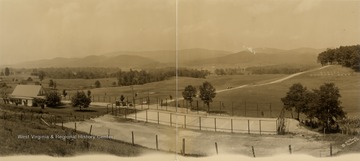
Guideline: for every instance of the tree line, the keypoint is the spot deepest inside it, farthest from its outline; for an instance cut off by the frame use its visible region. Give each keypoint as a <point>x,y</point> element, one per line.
<point>347,56</point>
<point>269,69</point>
<point>132,77</point>
<point>74,73</point>
<point>139,77</point>
<point>322,106</point>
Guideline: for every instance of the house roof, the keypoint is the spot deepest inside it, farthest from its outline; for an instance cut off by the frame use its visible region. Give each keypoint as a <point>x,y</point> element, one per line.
<point>32,91</point>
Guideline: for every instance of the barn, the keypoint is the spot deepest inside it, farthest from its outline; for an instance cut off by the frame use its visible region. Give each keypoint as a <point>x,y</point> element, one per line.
<point>25,94</point>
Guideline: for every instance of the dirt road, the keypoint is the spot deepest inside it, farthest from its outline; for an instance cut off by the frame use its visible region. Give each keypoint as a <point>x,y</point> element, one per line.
<point>201,142</point>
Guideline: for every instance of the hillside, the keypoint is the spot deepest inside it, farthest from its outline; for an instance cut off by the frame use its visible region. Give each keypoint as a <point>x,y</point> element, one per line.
<point>169,56</point>
<point>262,56</point>
<point>192,58</point>
<point>121,61</point>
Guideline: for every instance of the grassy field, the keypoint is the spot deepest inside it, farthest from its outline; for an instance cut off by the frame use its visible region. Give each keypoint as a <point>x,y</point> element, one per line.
<point>349,87</point>
<point>257,100</point>
<point>12,126</point>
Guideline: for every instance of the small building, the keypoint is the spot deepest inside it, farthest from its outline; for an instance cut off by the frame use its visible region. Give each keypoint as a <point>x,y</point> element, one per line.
<point>25,94</point>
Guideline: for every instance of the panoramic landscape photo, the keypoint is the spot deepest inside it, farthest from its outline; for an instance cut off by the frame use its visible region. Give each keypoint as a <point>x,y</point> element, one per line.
<point>184,79</point>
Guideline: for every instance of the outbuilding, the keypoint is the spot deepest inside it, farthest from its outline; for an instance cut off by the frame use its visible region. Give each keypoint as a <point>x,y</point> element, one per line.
<point>25,94</point>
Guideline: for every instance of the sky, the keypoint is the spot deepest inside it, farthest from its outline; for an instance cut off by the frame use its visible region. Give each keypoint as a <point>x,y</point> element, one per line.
<point>44,29</point>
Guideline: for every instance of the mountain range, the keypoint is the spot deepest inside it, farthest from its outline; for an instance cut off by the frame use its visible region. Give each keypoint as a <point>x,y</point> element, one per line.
<point>194,58</point>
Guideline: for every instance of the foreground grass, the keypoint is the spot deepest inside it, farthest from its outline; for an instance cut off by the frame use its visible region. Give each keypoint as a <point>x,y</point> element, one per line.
<point>12,126</point>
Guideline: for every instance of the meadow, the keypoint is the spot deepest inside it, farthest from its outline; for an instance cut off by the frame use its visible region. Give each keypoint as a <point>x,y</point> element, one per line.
<point>256,99</point>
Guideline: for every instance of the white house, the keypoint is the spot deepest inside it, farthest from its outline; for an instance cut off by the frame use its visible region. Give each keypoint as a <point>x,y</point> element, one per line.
<point>26,94</point>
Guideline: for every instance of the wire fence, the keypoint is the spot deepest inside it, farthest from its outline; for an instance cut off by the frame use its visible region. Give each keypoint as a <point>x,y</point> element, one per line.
<point>233,108</point>
<point>75,123</point>
<point>207,123</point>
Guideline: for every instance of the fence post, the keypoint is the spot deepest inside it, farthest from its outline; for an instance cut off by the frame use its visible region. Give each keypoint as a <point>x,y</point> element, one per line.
<point>253,151</point>
<point>331,150</point>
<point>146,116</point>
<point>62,125</point>
<point>112,110</point>
<point>90,129</point>
<point>270,111</point>
<point>231,125</point>
<point>216,147</point>
<point>135,114</point>
<point>183,147</point>
<point>158,117</point>
<point>260,126</point>
<point>185,121</point>
<point>170,119</point>
<point>125,112</point>
<point>157,143</point>
<point>108,133</point>
<point>166,103</point>
<point>215,123</point>
<point>290,151</point>
<point>248,126</point>
<point>157,103</point>
<point>75,126</point>
<point>132,138</point>
<point>200,123</point>
<point>257,109</point>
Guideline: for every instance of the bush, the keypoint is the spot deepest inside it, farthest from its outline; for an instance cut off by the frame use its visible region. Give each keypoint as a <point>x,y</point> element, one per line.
<point>81,100</point>
<point>52,99</point>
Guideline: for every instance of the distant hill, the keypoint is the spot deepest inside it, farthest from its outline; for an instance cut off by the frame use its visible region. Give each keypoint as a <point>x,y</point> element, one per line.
<point>122,61</point>
<point>193,58</point>
<point>261,56</point>
<point>169,56</point>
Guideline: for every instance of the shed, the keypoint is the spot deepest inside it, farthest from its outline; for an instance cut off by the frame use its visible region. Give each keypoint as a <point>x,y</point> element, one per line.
<point>27,93</point>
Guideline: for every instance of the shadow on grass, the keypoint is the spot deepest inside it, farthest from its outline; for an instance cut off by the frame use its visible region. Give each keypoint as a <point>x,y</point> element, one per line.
<point>86,111</point>
<point>57,107</point>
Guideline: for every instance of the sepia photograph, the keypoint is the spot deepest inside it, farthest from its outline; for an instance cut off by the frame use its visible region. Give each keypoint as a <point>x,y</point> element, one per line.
<point>178,80</point>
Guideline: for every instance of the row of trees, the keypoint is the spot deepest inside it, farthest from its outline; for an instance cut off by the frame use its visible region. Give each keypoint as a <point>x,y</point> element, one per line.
<point>229,71</point>
<point>270,69</point>
<point>207,93</point>
<point>53,99</point>
<point>347,56</point>
<point>279,69</point>
<point>74,73</point>
<point>135,77</point>
<point>322,104</point>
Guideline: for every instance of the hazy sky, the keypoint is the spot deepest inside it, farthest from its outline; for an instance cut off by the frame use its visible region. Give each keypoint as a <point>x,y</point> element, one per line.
<point>37,29</point>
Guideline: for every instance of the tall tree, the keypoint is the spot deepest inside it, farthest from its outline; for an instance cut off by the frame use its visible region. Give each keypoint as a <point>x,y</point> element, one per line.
<point>64,93</point>
<point>207,93</point>
<point>294,99</point>
<point>329,108</point>
<point>51,83</point>
<point>188,93</point>
<point>97,84</point>
<point>7,71</point>
<point>41,75</point>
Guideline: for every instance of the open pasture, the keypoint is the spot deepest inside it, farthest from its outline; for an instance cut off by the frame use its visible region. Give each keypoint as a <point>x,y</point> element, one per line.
<point>349,87</point>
